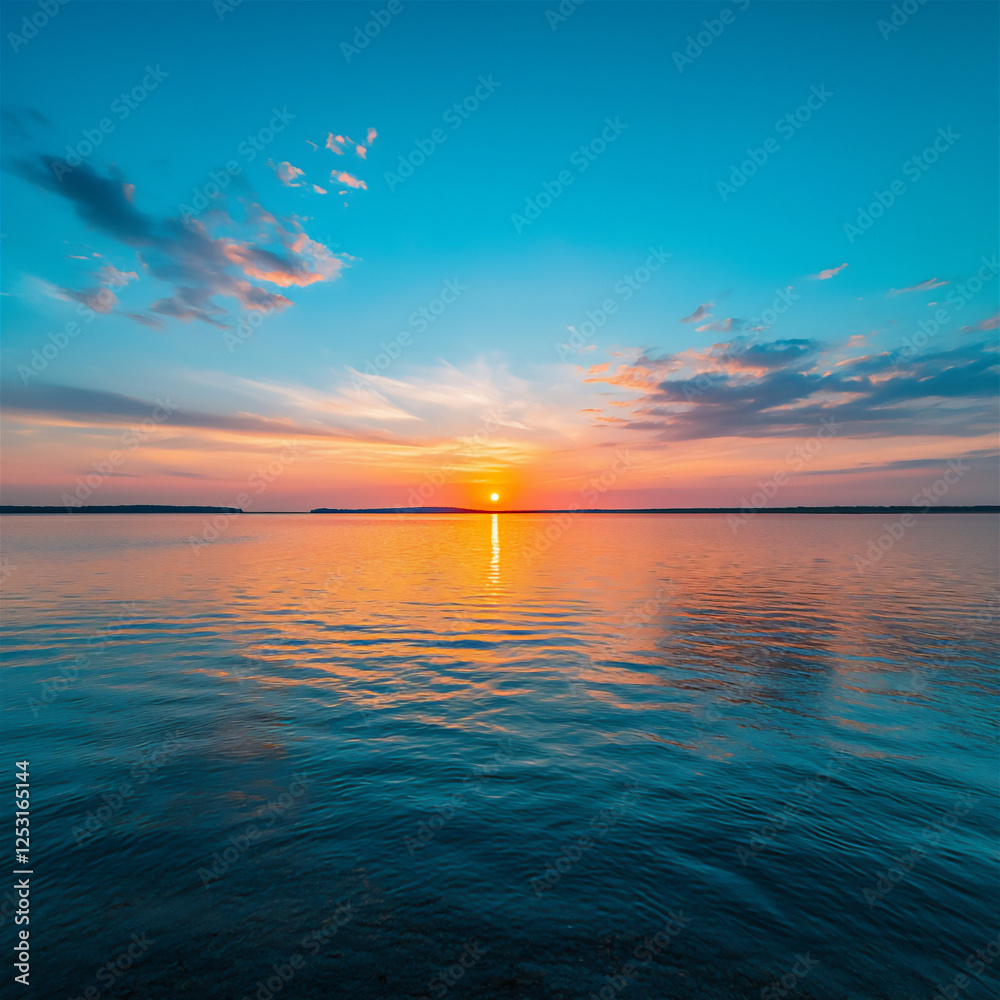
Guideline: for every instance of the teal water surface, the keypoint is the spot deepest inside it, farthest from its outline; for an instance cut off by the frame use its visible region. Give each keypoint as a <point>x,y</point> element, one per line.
<point>513,756</point>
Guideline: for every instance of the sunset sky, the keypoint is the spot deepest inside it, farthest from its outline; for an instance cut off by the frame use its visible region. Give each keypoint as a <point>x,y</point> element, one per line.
<point>501,249</point>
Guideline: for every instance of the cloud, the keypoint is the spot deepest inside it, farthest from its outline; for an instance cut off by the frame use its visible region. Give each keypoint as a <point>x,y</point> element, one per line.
<point>923,286</point>
<point>784,388</point>
<point>979,456</point>
<point>99,297</point>
<point>318,189</point>
<point>110,276</point>
<point>371,137</point>
<point>699,314</point>
<point>150,321</point>
<point>197,264</point>
<point>89,407</point>
<point>990,323</point>
<point>346,178</point>
<point>720,326</point>
<point>288,174</point>
<point>336,143</point>
<point>829,273</point>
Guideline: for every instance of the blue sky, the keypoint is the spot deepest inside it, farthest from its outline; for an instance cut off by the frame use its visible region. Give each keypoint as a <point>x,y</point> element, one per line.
<point>356,266</point>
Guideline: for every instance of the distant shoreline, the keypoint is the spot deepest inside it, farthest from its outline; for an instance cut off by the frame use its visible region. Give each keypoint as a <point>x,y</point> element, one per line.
<point>169,509</point>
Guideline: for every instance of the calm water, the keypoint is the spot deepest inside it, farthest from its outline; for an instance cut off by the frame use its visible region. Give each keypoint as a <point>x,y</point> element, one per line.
<point>366,750</point>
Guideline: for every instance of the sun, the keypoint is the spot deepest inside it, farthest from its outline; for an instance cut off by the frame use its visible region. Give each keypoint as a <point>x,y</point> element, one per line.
<point>494,497</point>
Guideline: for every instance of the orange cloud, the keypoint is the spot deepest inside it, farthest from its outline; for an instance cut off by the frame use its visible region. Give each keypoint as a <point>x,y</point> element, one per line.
<point>346,178</point>
<point>288,174</point>
<point>829,273</point>
<point>255,264</point>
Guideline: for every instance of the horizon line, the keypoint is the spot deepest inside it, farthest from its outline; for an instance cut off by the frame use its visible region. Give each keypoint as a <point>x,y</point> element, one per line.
<point>141,508</point>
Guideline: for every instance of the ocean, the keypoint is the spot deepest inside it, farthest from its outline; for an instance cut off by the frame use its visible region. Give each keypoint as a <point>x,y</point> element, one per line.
<point>520,756</point>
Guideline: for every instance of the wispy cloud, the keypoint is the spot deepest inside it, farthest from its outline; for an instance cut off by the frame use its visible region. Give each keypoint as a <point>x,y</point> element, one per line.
<point>829,273</point>
<point>784,388</point>
<point>923,286</point>
<point>699,314</point>
<point>199,265</point>
<point>991,323</point>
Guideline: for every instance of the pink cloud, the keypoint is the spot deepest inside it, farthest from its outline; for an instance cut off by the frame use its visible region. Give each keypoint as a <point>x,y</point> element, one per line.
<point>829,273</point>
<point>318,189</point>
<point>362,152</point>
<point>723,326</point>
<point>264,266</point>
<point>110,275</point>
<point>372,135</point>
<point>699,314</point>
<point>984,324</point>
<point>346,178</point>
<point>923,286</point>
<point>335,143</point>
<point>288,174</point>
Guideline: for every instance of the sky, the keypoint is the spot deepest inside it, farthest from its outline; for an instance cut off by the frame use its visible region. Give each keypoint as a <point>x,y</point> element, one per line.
<point>414,253</point>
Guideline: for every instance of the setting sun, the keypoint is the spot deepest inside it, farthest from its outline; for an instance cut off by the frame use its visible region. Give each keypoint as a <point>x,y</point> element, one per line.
<point>494,497</point>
